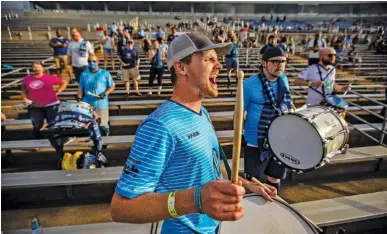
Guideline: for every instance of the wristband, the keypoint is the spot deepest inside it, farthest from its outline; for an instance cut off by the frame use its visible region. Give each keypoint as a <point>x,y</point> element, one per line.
<point>171,205</point>
<point>198,199</point>
<point>310,83</point>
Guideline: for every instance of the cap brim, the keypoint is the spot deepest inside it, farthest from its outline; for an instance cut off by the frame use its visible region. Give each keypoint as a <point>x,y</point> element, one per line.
<point>220,48</point>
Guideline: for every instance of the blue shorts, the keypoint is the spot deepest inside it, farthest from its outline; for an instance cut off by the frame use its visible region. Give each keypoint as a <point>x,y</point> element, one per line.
<point>232,63</point>
<point>107,51</point>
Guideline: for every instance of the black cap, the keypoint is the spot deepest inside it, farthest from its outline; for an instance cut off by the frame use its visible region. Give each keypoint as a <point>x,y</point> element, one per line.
<point>273,52</point>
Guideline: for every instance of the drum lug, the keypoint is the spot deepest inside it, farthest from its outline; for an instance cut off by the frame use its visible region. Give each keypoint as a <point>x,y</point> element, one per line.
<point>324,142</point>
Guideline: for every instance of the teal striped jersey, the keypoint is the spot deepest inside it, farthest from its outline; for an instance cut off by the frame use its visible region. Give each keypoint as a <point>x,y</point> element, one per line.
<point>174,149</point>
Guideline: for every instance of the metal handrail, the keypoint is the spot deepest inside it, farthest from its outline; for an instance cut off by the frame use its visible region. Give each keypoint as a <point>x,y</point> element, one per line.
<point>369,99</point>
<point>19,80</point>
<point>368,111</point>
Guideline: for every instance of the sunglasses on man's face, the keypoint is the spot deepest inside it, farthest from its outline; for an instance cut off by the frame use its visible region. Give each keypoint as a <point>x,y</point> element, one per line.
<point>331,55</point>
<point>278,62</point>
<point>92,61</point>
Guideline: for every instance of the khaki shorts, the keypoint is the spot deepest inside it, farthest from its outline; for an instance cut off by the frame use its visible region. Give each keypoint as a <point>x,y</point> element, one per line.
<point>60,58</point>
<point>130,74</point>
<point>104,115</point>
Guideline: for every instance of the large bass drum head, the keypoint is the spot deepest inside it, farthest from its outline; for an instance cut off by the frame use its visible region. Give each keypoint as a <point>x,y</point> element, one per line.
<point>295,142</point>
<point>263,217</point>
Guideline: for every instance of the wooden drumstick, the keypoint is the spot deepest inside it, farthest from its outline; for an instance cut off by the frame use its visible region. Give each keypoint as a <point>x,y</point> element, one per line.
<point>279,198</point>
<point>238,125</point>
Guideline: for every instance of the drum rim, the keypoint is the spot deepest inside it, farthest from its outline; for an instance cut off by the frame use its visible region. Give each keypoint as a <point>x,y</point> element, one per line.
<point>288,206</point>
<point>81,102</point>
<point>319,133</point>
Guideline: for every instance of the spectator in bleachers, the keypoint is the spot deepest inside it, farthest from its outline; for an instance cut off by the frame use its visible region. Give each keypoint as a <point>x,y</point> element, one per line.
<point>159,34</point>
<point>157,58</point>
<point>130,63</point>
<point>314,46</point>
<point>146,44</point>
<point>232,61</point>
<point>40,97</point>
<point>348,41</point>
<point>78,52</point>
<point>320,78</point>
<point>284,46</point>
<point>172,36</point>
<point>141,33</point>
<point>129,29</point>
<point>163,46</point>
<point>108,50</point>
<point>60,45</point>
<point>113,29</point>
<point>122,40</point>
<point>95,85</point>
<point>3,117</point>
<point>272,43</point>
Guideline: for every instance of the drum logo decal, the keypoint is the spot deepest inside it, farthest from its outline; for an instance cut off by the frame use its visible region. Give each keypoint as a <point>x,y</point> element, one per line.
<point>290,158</point>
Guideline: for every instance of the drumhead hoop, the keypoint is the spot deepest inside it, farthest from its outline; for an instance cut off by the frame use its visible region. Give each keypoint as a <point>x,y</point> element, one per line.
<point>262,216</point>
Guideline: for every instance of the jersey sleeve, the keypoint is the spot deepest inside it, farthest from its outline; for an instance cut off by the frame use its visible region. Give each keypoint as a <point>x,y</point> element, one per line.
<point>305,74</point>
<point>151,150</point>
<point>110,82</point>
<point>246,95</point>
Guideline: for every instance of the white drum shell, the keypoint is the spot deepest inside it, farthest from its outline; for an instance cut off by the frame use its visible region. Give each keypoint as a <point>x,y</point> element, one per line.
<point>261,216</point>
<point>301,140</point>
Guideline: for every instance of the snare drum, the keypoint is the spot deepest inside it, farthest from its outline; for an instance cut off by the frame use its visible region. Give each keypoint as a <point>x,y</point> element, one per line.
<point>75,107</point>
<point>307,138</point>
<point>338,103</point>
<point>261,216</point>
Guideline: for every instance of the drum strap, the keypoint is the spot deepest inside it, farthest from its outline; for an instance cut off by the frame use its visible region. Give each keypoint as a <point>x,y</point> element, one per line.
<point>322,79</point>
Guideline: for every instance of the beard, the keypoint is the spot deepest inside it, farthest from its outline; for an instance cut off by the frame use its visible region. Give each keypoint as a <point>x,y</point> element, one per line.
<point>208,90</point>
<point>327,62</point>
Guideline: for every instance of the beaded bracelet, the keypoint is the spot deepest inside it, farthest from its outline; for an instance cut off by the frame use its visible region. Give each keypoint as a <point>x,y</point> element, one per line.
<point>198,199</point>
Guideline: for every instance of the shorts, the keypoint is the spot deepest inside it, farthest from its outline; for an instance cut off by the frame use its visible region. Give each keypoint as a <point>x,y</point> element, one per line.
<point>78,71</point>
<point>130,74</point>
<point>58,59</point>
<point>232,63</point>
<point>104,115</point>
<point>255,168</point>
<point>107,50</point>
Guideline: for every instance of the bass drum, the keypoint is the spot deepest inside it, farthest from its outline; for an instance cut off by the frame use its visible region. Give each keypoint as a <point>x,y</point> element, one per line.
<point>263,217</point>
<point>307,138</point>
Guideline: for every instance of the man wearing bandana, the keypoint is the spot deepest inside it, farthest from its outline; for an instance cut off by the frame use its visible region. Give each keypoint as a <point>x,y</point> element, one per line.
<point>94,88</point>
<point>266,95</point>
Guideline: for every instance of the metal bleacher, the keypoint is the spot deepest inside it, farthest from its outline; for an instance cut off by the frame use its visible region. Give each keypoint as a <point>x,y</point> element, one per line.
<point>368,127</point>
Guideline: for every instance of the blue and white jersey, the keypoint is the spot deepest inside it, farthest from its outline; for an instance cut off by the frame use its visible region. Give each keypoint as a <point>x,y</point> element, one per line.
<point>174,149</point>
<point>254,100</point>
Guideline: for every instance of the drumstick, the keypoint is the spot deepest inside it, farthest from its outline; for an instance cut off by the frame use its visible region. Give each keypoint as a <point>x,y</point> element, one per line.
<point>92,94</point>
<point>279,198</point>
<point>238,124</point>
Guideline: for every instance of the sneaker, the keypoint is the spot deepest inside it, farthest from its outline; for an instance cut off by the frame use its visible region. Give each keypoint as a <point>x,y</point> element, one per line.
<point>69,140</point>
<point>138,93</point>
<point>150,93</point>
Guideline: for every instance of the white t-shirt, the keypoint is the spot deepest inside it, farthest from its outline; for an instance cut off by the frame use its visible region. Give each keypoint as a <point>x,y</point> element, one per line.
<point>164,48</point>
<point>320,43</point>
<point>73,50</point>
<point>108,42</point>
<point>311,73</point>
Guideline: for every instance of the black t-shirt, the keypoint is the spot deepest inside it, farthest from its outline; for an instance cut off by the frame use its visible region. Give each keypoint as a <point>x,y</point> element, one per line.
<point>122,40</point>
<point>129,28</point>
<point>171,37</point>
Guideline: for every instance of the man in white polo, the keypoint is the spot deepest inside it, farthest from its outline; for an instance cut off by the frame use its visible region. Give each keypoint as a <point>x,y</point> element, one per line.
<point>320,78</point>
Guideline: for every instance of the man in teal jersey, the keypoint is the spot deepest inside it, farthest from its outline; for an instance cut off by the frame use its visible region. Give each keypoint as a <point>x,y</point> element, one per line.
<point>173,172</point>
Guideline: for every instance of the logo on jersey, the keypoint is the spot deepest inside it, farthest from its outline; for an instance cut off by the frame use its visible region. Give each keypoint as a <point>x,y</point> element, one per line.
<point>36,84</point>
<point>131,170</point>
<point>192,135</point>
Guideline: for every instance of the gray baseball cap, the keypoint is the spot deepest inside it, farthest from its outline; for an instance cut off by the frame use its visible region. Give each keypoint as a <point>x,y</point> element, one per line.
<point>189,43</point>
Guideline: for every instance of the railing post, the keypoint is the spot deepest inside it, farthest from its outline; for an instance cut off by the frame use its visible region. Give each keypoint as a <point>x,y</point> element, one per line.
<point>49,32</point>
<point>383,126</point>
<point>30,33</point>
<point>88,27</point>
<point>9,33</point>
<point>247,56</point>
<point>68,32</point>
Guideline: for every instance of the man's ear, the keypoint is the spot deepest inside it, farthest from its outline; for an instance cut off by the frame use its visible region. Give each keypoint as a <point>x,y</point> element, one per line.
<point>180,68</point>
